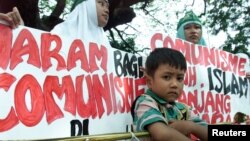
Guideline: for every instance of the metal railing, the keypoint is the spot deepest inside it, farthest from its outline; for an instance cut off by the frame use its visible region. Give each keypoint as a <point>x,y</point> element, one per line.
<point>111,136</point>
<point>104,137</point>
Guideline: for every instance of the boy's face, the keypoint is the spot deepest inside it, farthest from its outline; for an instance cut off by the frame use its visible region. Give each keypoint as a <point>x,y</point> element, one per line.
<point>192,32</point>
<point>102,9</point>
<point>167,82</point>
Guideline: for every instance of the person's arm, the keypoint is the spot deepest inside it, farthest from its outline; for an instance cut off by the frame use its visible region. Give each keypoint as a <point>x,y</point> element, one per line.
<point>200,131</point>
<point>159,131</point>
<point>13,18</point>
<point>190,127</point>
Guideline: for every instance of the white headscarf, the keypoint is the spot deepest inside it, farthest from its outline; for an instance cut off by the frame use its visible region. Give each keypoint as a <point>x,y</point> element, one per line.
<point>82,23</point>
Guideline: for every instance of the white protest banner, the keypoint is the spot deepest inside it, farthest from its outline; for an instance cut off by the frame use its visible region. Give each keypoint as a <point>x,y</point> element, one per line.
<point>215,82</point>
<point>52,86</point>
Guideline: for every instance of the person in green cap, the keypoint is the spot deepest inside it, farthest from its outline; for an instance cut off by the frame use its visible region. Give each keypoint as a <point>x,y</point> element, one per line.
<point>189,28</point>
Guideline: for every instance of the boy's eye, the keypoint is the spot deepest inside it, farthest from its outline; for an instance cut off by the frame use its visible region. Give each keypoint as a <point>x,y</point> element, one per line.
<point>180,79</point>
<point>166,77</point>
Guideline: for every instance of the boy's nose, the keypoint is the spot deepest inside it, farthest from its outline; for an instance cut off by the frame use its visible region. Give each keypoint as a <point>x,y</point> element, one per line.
<point>174,83</point>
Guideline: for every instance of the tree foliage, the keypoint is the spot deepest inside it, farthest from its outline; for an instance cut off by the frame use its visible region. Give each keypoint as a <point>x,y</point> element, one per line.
<point>232,17</point>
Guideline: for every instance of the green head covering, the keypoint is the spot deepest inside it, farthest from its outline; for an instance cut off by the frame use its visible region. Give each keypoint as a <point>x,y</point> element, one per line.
<point>189,17</point>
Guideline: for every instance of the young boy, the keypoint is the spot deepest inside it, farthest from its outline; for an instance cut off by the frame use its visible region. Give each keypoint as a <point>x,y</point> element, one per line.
<point>157,110</point>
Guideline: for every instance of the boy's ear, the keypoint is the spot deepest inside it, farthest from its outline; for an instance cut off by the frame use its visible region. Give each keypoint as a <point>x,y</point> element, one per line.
<point>146,76</point>
<point>148,80</point>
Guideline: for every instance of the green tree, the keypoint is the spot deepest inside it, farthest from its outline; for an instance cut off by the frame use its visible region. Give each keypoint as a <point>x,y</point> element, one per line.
<point>232,17</point>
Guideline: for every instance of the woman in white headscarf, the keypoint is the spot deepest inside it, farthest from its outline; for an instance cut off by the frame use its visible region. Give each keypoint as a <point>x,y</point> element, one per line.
<point>86,21</point>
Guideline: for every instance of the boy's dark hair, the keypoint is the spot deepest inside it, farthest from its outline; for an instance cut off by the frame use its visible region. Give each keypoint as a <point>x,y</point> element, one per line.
<point>161,56</point>
<point>168,56</point>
